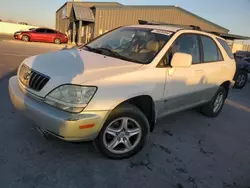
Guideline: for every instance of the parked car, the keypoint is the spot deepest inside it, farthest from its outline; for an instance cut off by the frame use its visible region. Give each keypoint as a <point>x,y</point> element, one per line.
<point>114,96</point>
<point>247,59</point>
<point>41,35</point>
<point>242,70</point>
<point>242,54</point>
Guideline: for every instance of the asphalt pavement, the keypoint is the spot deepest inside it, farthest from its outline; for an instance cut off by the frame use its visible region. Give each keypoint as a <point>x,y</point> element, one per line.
<point>186,150</point>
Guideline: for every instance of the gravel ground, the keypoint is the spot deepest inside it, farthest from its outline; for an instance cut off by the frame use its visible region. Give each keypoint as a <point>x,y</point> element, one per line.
<point>186,150</point>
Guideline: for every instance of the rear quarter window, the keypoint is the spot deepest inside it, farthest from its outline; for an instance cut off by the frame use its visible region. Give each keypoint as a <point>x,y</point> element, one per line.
<point>226,47</point>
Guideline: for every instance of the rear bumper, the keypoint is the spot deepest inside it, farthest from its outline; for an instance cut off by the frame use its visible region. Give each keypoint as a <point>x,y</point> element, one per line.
<point>64,125</point>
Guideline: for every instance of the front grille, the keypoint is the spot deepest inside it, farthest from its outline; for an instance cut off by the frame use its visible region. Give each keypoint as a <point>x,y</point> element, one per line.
<point>32,79</point>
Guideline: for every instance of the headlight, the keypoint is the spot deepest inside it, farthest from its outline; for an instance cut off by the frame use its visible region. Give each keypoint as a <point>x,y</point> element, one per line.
<point>71,98</point>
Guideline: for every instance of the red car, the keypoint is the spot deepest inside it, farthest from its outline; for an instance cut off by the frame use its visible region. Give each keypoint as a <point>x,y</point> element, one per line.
<point>41,35</point>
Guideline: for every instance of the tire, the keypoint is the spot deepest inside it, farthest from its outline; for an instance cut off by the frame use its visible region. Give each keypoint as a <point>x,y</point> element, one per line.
<point>240,78</point>
<point>210,109</point>
<point>134,117</point>
<point>25,38</point>
<point>57,41</point>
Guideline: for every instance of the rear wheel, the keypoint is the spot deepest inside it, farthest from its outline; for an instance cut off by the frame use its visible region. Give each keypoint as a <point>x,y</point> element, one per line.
<point>124,133</point>
<point>57,41</point>
<point>25,38</point>
<point>214,107</point>
<point>240,79</point>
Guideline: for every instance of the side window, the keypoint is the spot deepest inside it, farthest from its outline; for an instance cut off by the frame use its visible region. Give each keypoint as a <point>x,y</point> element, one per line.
<point>226,47</point>
<point>50,31</point>
<point>220,58</point>
<point>40,30</point>
<point>211,51</point>
<point>187,43</point>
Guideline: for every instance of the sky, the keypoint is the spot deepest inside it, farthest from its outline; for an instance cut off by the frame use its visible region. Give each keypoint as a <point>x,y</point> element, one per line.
<point>231,14</point>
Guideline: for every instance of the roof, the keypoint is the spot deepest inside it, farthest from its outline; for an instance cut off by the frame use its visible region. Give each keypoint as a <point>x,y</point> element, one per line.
<point>83,13</point>
<point>162,7</point>
<point>82,2</point>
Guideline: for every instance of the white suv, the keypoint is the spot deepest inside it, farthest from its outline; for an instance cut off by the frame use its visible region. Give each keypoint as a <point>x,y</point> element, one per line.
<point>113,94</point>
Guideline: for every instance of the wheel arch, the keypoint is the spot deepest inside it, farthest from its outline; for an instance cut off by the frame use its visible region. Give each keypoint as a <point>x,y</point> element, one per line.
<point>146,104</point>
<point>226,85</point>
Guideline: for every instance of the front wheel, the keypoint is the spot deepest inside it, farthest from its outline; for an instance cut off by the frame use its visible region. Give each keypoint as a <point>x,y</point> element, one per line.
<point>124,133</point>
<point>215,105</point>
<point>240,79</point>
<point>25,38</point>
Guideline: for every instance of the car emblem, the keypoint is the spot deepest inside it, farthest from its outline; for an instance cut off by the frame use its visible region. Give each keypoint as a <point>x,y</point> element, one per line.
<point>27,76</point>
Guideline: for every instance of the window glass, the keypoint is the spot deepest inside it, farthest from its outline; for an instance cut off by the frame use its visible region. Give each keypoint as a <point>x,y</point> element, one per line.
<point>138,45</point>
<point>49,31</point>
<point>40,30</point>
<point>220,58</point>
<point>226,48</point>
<point>187,43</point>
<point>210,50</point>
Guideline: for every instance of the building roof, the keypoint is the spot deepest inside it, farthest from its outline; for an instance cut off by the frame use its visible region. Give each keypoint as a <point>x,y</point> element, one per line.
<point>83,13</point>
<point>84,2</point>
<point>116,5</point>
<point>161,7</point>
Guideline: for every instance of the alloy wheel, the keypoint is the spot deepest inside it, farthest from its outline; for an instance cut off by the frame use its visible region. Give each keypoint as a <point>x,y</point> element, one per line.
<point>122,135</point>
<point>241,79</point>
<point>218,102</point>
<point>57,41</point>
<point>25,38</point>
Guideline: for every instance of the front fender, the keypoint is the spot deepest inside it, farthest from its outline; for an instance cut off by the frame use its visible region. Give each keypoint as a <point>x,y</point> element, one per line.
<point>114,90</point>
<point>108,99</point>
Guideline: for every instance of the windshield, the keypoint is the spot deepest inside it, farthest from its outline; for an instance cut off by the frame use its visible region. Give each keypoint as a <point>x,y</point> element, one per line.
<point>138,45</point>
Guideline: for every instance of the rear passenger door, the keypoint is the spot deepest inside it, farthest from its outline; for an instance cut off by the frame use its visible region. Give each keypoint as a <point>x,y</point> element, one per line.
<point>213,66</point>
<point>184,86</point>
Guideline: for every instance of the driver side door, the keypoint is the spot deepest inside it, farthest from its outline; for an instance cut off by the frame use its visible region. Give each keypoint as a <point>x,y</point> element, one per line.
<point>184,86</point>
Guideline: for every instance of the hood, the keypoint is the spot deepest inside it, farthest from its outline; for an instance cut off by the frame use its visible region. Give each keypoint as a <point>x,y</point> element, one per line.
<point>78,66</point>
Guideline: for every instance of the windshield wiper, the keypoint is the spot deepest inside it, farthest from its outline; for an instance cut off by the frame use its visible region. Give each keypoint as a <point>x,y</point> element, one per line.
<point>117,55</point>
<point>113,53</point>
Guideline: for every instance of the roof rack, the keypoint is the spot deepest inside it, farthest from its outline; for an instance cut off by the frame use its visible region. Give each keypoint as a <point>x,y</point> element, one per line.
<point>194,27</point>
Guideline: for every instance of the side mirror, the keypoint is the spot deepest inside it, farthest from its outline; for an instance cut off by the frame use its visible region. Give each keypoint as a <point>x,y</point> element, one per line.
<point>181,60</point>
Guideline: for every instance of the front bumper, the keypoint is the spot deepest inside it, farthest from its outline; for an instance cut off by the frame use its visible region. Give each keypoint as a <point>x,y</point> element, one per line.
<point>18,36</point>
<point>67,126</point>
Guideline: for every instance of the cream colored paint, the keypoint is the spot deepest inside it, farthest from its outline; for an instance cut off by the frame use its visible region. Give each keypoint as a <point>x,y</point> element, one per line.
<point>119,80</point>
